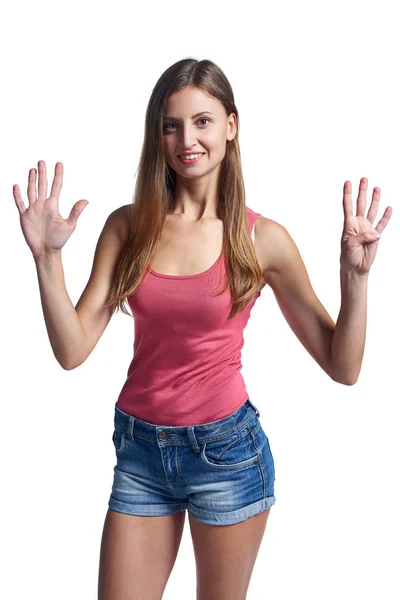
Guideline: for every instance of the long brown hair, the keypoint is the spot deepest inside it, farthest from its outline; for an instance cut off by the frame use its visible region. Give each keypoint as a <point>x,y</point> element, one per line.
<point>154,193</point>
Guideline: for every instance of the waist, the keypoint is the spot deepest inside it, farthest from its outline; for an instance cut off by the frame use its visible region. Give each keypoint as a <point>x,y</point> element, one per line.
<point>131,426</point>
<point>181,403</point>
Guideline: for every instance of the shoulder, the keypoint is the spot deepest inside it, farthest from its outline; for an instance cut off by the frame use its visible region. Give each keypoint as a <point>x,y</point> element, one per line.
<point>119,219</point>
<point>273,244</point>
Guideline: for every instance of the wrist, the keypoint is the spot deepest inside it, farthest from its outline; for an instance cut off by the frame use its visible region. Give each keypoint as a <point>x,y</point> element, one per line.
<point>47,256</point>
<point>352,273</point>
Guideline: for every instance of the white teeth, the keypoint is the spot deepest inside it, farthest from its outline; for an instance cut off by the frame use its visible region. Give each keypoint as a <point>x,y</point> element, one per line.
<point>191,156</point>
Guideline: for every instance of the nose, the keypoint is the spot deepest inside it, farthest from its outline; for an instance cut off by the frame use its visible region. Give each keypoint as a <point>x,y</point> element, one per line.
<point>187,137</point>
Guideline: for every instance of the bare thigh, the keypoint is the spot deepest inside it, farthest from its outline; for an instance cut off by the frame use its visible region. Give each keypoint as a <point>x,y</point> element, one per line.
<point>137,555</point>
<point>225,556</point>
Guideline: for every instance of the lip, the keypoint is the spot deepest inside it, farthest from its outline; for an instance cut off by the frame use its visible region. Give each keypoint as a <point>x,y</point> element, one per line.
<point>194,160</point>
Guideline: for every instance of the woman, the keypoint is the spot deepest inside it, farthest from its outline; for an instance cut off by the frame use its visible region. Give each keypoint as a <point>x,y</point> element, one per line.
<point>191,259</point>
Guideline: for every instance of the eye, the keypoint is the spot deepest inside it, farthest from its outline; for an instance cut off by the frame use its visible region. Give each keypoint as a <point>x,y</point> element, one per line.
<point>166,126</point>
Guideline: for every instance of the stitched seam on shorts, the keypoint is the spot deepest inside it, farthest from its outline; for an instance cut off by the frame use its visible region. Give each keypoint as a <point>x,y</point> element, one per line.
<point>260,459</point>
<point>232,443</point>
<point>188,443</point>
<point>232,467</point>
<point>123,447</point>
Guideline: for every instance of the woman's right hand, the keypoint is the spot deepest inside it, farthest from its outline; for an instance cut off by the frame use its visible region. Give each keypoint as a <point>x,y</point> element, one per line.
<point>44,229</point>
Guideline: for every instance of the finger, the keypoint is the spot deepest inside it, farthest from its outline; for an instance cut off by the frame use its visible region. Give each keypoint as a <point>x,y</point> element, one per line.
<point>385,219</point>
<point>42,187</point>
<point>76,211</point>
<point>373,209</point>
<point>362,197</point>
<point>347,200</point>
<point>18,200</point>
<point>31,186</point>
<point>57,181</point>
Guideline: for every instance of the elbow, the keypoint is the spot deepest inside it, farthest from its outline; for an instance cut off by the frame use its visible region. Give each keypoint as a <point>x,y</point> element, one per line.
<point>340,374</point>
<point>344,380</point>
<point>348,381</point>
<point>70,366</point>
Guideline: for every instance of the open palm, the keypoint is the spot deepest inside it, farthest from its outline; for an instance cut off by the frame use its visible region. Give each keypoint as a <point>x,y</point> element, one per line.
<point>44,229</point>
<point>358,244</point>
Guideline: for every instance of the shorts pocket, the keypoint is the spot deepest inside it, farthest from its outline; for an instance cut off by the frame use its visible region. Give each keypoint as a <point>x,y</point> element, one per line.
<point>120,442</point>
<point>232,453</point>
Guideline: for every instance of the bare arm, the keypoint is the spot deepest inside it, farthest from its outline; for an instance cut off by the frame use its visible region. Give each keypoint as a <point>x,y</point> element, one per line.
<point>74,332</point>
<point>286,274</point>
<point>64,328</point>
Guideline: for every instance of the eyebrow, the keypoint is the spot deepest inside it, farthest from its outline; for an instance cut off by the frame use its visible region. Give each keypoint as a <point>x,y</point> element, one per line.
<point>203,112</point>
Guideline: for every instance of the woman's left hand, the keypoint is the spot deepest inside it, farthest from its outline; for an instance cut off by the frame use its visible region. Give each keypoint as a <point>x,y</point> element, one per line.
<point>358,245</point>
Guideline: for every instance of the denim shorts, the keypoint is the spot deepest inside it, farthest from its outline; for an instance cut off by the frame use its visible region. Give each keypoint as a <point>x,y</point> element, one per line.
<point>221,472</point>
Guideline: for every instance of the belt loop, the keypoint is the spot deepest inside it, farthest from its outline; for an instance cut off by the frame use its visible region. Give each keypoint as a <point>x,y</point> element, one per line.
<point>131,426</point>
<point>254,406</point>
<point>192,438</point>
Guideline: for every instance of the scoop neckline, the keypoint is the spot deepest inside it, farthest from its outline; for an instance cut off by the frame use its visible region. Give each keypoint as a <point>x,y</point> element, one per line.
<point>164,276</point>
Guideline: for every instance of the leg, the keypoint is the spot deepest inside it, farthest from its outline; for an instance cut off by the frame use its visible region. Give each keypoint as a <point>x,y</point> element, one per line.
<point>137,555</point>
<point>225,556</point>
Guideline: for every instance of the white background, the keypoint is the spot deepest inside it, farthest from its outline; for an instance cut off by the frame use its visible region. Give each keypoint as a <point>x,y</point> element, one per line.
<point>316,86</point>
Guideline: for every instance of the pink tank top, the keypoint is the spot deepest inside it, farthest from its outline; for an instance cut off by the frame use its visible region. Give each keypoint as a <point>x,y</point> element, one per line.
<point>186,367</point>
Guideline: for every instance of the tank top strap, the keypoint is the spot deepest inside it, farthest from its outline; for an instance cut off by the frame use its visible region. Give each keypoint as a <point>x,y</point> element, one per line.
<point>252,220</point>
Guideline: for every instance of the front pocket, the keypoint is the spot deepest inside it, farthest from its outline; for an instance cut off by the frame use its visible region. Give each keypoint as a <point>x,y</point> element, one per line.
<point>119,441</point>
<point>235,452</point>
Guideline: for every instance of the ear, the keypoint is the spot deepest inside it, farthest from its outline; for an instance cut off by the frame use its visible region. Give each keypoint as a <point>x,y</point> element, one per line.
<point>231,128</point>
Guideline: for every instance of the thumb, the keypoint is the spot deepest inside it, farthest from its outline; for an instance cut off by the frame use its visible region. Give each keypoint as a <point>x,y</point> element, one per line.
<point>371,236</point>
<point>76,211</point>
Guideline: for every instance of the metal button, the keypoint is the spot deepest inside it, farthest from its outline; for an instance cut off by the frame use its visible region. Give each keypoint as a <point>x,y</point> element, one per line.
<point>163,435</point>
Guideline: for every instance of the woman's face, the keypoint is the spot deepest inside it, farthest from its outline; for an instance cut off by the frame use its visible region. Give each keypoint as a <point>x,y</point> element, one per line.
<point>196,123</point>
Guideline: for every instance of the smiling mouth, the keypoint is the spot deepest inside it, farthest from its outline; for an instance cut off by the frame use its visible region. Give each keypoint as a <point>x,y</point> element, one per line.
<point>185,156</point>
<point>191,161</point>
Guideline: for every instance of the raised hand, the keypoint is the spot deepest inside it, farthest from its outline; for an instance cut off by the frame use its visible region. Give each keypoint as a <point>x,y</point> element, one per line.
<point>44,229</point>
<point>358,244</point>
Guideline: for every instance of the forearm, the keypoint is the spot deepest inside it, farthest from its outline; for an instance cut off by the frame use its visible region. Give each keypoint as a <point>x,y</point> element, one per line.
<point>348,339</point>
<point>67,338</point>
